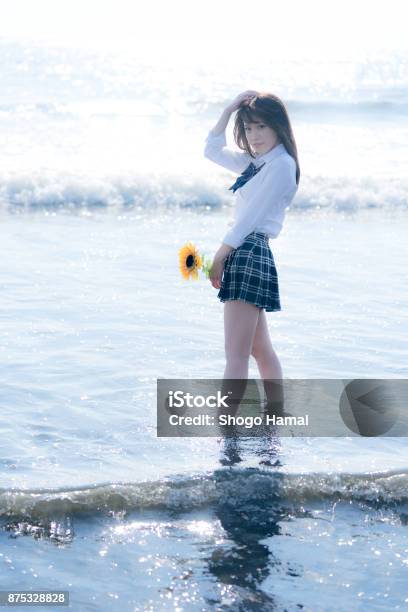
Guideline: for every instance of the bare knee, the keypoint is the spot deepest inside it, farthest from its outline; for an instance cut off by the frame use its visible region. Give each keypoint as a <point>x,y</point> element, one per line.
<point>237,354</point>
<point>261,351</point>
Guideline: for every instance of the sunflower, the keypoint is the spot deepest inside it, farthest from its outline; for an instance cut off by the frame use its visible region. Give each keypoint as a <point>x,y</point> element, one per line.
<point>190,261</point>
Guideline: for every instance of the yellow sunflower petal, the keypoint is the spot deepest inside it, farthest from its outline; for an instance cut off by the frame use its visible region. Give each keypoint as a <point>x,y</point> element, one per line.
<point>190,261</point>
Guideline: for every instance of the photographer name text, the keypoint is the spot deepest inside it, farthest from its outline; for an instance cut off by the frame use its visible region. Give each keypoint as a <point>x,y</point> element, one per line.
<point>225,420</point>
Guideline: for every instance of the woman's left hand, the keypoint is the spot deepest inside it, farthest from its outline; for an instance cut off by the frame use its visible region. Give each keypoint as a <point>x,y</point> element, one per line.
<point>216,271</point>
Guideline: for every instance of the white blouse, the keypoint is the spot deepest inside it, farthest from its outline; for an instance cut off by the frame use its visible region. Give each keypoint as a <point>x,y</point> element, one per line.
<point>261,202</point>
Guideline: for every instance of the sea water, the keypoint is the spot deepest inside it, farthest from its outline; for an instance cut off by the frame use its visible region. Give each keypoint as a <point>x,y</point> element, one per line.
<point>102,181</point>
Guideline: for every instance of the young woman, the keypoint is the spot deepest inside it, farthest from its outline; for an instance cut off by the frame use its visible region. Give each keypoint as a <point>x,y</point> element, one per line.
<point>243,267</point>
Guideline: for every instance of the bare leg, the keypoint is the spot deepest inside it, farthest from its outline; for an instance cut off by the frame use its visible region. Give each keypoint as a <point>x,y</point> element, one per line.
<point>267,360</point>
<point>240,321</point>
<point>268,365</point>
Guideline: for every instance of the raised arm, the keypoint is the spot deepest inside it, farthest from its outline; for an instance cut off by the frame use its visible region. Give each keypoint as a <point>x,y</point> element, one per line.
<point>216,144</point>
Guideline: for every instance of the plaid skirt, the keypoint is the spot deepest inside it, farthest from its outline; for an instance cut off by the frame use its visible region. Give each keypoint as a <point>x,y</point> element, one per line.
<point>250,274</point>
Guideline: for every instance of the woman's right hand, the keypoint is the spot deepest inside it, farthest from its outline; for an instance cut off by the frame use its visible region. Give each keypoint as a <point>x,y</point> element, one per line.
<point>242,97</point>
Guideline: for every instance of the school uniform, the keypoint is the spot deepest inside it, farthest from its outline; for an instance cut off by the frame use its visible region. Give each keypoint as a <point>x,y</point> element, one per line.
<point>264,190</point>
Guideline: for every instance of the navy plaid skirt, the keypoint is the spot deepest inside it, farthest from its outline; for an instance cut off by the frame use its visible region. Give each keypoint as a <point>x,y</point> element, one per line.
<point>250,274</point>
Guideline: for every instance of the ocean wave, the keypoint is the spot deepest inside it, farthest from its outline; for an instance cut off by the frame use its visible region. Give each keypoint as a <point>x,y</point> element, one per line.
<point>389,105</point>
<point>314,109</point>
<point>234,486</point>
<point>83,109</point>
<point>384,107</point>
<point>20,193</point>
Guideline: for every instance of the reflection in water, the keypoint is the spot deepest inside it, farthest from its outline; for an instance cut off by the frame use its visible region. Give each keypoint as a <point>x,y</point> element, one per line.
<point>249,508</point>
<point>249,501</point>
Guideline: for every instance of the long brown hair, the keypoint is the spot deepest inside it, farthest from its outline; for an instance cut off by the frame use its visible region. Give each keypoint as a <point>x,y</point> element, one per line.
<point>271,110</point>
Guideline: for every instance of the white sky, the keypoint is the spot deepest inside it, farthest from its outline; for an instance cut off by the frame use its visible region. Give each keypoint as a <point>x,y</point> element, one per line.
<point>297,28</point>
